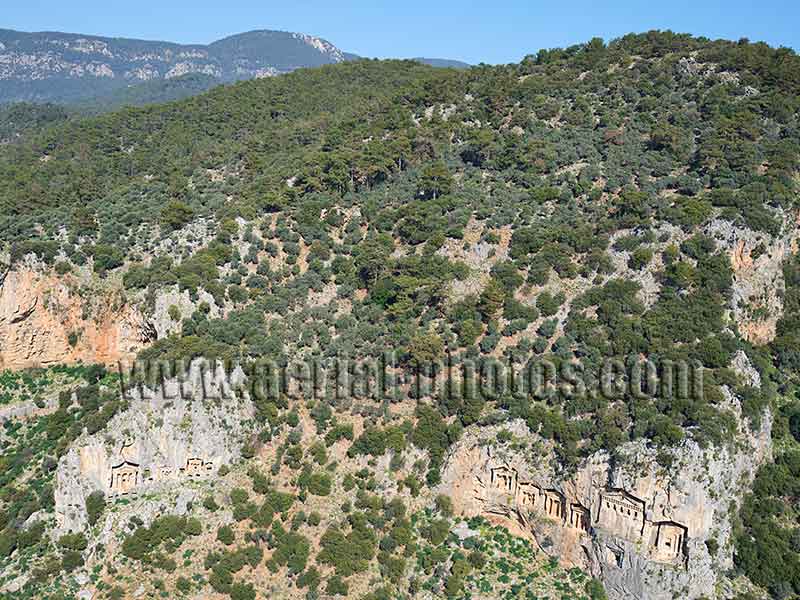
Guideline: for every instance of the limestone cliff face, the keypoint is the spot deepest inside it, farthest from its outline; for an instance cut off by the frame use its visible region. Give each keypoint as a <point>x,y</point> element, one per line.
<point>757,261</point>
<point>637,526</point>
<point>163,440</point>
<point>41,314</point>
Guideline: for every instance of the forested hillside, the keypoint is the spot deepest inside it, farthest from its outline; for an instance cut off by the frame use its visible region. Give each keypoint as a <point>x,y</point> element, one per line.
<point>629,201</point>
<point>16,119</point>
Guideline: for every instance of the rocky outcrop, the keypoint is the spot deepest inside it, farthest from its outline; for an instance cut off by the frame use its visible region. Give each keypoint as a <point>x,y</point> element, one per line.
<point>637,526</point>
<point>27,409</point>
<point>479,255</point>
<point>169,297</point>
<point>757,262</point>
<point>46,320</point>
<point>162,442</point>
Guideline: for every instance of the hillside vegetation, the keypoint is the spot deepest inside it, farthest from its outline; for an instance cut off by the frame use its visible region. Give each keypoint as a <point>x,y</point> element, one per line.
<point>583,204</point>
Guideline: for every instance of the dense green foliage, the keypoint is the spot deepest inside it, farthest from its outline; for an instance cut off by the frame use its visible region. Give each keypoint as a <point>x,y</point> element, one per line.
<point>17,119</point>
<point>768,538</point>
<point>332,169</point>
<point>350,210</point>
<point>30,452</point>
<point>150,92</point>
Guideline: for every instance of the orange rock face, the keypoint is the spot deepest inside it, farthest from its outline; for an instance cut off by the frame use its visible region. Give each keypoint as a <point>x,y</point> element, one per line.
<point>758,286</point>
<point>758,332</point>
<point>740,257</point>
<point>44,321</point>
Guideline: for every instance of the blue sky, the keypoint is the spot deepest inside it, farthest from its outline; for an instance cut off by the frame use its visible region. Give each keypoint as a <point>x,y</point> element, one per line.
<point>488,31</point>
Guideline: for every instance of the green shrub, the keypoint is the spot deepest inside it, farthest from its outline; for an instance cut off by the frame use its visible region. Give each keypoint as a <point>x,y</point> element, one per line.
<point>176,214</point>
<point>640,258</point>
<point>183,585</point>
<point>8,543</point>
<point>242,591</point>
<point>71,560</point>
<point>95,506</point>
<point>336,587</point>
<point>549,304</point>
<point>73,541</point>
<point>225,535</point>
<point>596,590</point>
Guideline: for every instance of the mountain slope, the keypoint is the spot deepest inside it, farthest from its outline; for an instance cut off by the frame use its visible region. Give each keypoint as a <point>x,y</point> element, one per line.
<point>62,67</point>
<point>150,92</point>
<point>608,214</point>
<point>444,63</point>
<point>104,73</point>
<point>16,119</point>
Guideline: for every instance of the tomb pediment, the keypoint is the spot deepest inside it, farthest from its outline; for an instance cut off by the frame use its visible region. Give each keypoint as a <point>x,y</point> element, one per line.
<point>528,494</point>
<point>623,501</point>
<point>124,478</point>
<point>616,511</point>
<point>504,478</point>
<point>670,540</point>
<point>622,514</point>
<point>554,504</point>
<point>579,517</point>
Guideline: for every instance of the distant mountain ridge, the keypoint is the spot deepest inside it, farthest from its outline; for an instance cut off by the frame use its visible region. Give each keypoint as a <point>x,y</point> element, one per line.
<point>73,68</point>
<point>444,63</point>
<point>63,67</point>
